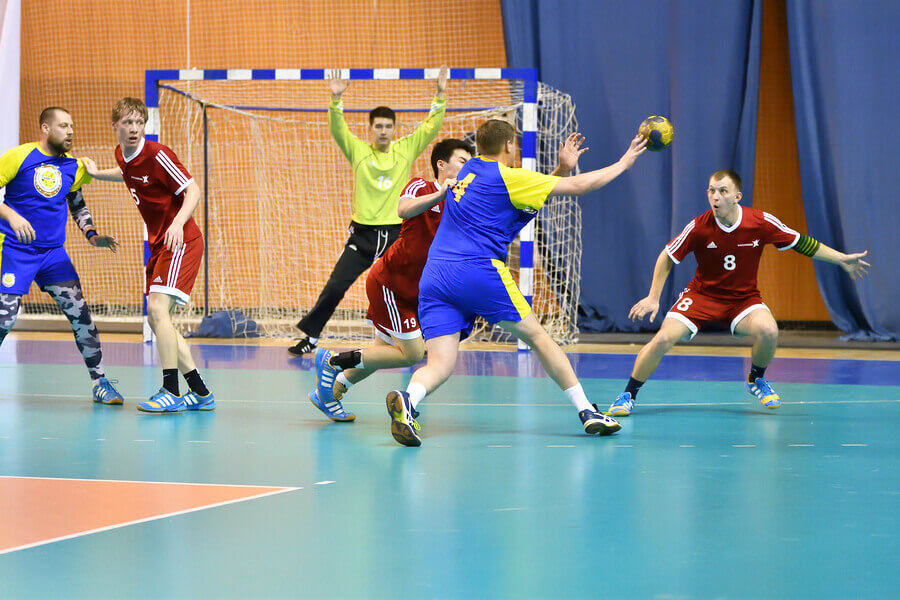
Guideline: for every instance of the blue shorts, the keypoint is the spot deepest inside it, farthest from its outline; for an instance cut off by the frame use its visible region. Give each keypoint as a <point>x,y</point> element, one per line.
<point>21,264</point>
<point>452,294</point>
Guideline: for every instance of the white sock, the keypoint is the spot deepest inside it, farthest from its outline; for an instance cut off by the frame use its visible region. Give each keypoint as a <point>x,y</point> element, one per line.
<point>342,379</point>
<point>360,364</point>
<point>416,392</point>
<point>313,340</point>
<point>576,396</point>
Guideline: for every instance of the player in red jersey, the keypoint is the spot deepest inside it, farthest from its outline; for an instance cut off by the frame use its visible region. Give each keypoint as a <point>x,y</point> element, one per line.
<point>392,287</point>
<point>727,241</point>
<point>166,196</point>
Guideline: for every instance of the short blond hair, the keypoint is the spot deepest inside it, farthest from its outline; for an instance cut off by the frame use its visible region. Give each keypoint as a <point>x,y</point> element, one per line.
<point>126,106</point>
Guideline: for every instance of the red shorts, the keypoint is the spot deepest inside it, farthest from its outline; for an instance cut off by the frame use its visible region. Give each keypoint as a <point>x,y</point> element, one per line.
<point>174,273</point>
<point>694,309</point>
<point>392,315</point>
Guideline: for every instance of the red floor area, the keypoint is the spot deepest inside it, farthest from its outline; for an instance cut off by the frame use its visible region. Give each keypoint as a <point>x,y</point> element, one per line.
<point>39,510</point>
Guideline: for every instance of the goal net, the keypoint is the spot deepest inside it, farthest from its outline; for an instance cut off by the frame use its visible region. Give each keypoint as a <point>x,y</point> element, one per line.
<point>276,203</point>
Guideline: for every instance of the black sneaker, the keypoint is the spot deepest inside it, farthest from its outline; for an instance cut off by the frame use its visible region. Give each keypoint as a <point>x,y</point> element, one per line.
<point>302,347</point>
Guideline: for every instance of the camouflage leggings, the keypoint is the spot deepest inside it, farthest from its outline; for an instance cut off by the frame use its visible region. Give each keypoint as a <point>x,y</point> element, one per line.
<point>72,303</point>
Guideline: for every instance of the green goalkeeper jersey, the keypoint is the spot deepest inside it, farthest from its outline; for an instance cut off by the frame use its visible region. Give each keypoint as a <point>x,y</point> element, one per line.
<point>379,177</point>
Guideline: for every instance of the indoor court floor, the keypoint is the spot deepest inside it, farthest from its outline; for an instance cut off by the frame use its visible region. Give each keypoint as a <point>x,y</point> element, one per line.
<point>702,494</point>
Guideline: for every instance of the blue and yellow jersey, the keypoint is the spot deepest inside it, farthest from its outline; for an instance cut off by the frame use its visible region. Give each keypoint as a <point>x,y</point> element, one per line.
<point>36,185</point>
<point>486,209</point>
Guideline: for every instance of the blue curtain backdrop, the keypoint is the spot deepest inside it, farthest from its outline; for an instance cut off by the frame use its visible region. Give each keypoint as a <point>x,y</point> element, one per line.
<point>695,61</point>
<point>844,70</point>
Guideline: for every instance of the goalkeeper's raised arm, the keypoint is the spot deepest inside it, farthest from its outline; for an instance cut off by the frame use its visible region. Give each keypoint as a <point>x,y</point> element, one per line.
<point>379,170</point>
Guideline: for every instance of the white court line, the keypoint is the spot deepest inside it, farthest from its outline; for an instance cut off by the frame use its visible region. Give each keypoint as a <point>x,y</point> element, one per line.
<point>743,445</point>
<point>198,441</point>
<point>324,482</point>
<point>49,438</point>
<point>854,445</point>
<point>498,446</point>
<point>560,446</point>
<point>137,521</point>
<point>801,445</point>
<point>143,440</point>
<point>491,404</point>
<point>686,446</point>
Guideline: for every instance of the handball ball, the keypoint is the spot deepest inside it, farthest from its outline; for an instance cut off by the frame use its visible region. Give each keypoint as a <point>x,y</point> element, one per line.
<point>658,131</point>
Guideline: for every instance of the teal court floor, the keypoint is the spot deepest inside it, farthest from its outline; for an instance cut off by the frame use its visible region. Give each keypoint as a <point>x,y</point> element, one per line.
<point>702,494</point>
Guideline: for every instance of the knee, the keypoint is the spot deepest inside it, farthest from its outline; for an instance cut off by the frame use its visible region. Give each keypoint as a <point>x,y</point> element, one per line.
<point>413,355</point>
<point>157,308</point>
<point>767,332</point>
<point>662,342</point>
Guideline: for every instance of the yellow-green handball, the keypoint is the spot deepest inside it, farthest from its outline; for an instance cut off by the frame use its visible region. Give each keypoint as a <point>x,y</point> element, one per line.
<point>658,131</point>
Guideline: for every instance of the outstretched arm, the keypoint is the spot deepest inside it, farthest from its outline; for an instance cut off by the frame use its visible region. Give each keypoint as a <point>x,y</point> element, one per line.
<point>852,263</point>
<point>650,304</point>
<point>581,184</point>
<point>337,124</point>
<point>569,153</point>
<point>113,174</point>
<point>413,206</point>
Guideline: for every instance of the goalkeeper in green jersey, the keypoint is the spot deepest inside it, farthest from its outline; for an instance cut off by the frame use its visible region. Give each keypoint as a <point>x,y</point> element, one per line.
<point>380,170</point>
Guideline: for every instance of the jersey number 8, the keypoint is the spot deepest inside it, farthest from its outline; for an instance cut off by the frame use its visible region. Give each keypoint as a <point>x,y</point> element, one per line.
<point>730,263</point>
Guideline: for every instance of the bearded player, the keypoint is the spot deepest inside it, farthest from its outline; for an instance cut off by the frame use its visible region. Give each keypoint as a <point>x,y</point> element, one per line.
<point>166,196</point>
<point>37,181</point>
<point>728,242</point>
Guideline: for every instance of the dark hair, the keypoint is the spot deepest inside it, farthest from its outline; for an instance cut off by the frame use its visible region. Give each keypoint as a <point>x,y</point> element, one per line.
<point>492,135</point>
<point>444,150</point>
<point>48,113</point>
<point>383,112</point>
<point>734,177</point>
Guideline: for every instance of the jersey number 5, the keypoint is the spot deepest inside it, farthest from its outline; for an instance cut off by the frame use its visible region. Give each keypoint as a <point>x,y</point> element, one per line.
<point>137,201</point>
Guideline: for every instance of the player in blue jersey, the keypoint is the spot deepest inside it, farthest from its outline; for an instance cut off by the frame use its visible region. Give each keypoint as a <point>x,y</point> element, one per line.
<point>466,276</point>
<point>40,180</point>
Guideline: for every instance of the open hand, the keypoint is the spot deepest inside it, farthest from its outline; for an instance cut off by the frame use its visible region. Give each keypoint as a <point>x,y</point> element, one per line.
<point>570,151</point>
<point>104,241</point>
<point>89,165</point>
<point>442,78</point>
<point>855,265</point>
<point>336,85</point>
<point>638,146</point>
<point>642,308</point>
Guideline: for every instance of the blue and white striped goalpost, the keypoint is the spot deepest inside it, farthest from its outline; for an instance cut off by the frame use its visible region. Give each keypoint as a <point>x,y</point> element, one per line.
<point>153,78</point>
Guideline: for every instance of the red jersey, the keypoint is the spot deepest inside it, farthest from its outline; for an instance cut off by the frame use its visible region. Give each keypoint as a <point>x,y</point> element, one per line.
<point>156,179</point>
<point>401,266</point>
<point>728,257</point>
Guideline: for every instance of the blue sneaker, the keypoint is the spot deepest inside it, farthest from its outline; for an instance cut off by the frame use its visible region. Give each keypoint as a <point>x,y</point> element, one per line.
<point>622,406</point>
<point>762,390</point>
<point>194,401</point>
<point>162,401</point>
<point>595,421</point>
<point>325,374</point>
<point>404,426</point>
<point>333,410</point>
<point>106,393</point>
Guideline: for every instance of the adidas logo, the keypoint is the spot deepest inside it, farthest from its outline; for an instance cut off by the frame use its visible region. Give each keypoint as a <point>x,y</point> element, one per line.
<point>436,208</point>
<point>712,245</point>
<point>158,279</point>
